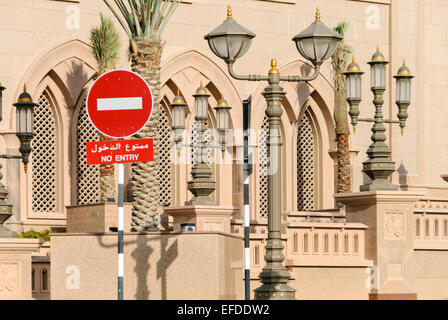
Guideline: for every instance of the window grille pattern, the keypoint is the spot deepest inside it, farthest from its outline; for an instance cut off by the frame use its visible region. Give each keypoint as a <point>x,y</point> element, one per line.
<point>88,176</point>
<point>263,168</point>
<point>44,157</point>
<point>306,166</point>
<point>164,163</point>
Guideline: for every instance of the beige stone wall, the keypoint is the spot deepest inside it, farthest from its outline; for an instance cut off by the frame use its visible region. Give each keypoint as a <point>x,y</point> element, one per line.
<point>157,266</point>
<point>15,267</point>
<point>32,51</point>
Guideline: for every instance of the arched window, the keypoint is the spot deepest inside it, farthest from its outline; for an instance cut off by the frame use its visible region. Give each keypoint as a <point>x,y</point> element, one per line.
<point>445,228</point>
<point>305,243</point>
<point>346,243</point>
<point>295,242</point>
<point>164,162</point>
<point>436,227</point>
<point>33,280</point>
<point>336,243</point>
<point>306,165</point>
<point>427,227</point>
<point>417,227</point>
<point>44,280</point>
<point>356,243</point>
<point>316,243</point>
<point>257,255</point>
<point>326,243</point>
<point>88,176</point>
<point>44,166</point>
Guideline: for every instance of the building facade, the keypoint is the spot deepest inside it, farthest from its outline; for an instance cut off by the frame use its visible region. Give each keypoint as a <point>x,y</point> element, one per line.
<point>45,46</point>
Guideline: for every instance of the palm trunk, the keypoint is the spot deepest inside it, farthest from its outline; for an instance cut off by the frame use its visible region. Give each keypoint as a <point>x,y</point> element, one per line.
<point>342,135</point>
<point>107,179</point>
<point>144,181</point>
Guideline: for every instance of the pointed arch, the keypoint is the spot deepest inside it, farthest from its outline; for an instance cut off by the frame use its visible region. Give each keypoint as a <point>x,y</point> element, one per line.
<point>59,75</point>
<point>314,100</point>
<point>184,71</point>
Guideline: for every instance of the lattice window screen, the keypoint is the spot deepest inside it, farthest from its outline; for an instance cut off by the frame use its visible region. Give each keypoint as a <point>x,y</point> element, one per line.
<point>306,166</point>
<point>263,169</point>
<point>44,188</point>
<point>88,176</point>
<point>164,163</point>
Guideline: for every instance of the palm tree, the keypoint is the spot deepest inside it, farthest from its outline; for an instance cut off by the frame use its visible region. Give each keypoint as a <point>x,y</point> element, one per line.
<point>144,22</point>
<point>339,64</point>
<point>106,44</point>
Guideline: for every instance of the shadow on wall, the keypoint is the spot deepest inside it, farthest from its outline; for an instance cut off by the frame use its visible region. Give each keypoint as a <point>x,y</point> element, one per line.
<point>76,79</point>
<point>403,177</point>
<point>141,256</point>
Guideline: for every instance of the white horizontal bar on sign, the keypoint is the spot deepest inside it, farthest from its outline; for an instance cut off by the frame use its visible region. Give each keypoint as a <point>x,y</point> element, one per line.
<point>111,104</point>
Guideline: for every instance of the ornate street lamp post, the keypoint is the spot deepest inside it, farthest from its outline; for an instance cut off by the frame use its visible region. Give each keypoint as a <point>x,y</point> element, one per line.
<point>230,41</point>
<point>379,165</point>
<point>222,120</point>
<point>25,132</point>
<point>178,122</point>
<point>201,185</point>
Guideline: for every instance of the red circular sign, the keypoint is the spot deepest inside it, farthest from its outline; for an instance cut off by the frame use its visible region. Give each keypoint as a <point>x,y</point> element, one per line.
<point>119,103</point>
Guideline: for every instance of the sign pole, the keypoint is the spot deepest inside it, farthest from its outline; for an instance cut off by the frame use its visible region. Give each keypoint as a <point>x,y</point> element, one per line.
<point>120,228</point>
<point>119,104</point>
<point>247,172</point>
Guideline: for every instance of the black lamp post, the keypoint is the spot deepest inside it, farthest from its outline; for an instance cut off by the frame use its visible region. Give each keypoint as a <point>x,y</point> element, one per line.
<point>25,132</point>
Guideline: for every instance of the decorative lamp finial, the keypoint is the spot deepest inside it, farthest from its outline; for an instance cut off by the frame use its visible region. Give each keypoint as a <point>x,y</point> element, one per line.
<point>229,12</point>
<point>402,131</point>
<point>404,63</point>
<point>354,128</point>
<point>24,87</point>
<point>378,47</point>
<point>353,58</point>
<point>177,91</point>
<point>317,14</point>
<point>273,66</point>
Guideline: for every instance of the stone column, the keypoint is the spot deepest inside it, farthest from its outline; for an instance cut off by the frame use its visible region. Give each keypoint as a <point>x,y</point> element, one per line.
<point>389,237</point>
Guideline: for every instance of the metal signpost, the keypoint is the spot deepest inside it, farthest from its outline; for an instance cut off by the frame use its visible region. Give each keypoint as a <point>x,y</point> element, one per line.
<point>247,171</point>
<point>119,104</point>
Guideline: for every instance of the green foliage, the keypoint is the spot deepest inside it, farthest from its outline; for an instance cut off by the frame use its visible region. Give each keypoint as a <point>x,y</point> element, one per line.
<point>32,234</point>
<point>340,57</point>
<point>106,44</point>
<point>147,18</point>
<point>341,28</point>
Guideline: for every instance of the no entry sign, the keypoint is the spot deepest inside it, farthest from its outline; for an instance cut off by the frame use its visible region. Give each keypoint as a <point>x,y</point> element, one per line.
<point>120,151</point>
<point>119,103</point>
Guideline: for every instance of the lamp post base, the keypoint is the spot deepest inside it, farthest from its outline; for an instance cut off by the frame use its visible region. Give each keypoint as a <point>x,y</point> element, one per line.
<point>377,185</point>
<point>6,233</point>
<point>275,292</point>
<point>379,170</point>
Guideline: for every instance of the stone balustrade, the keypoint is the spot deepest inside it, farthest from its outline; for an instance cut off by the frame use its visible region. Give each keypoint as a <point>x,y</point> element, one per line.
<point>431,224</point>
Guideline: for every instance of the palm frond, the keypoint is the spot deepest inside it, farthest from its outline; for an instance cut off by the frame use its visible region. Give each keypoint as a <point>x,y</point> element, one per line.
<point>106,44</point>
<point>340,56</point>
<point>146,18</point>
